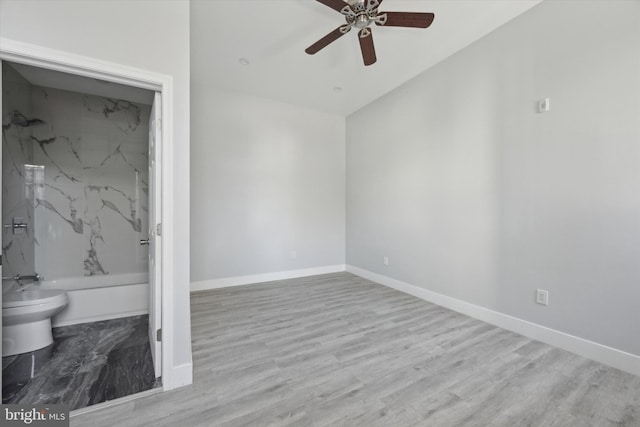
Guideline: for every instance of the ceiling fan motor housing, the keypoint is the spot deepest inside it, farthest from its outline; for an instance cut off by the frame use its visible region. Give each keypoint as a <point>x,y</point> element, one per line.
<point>361,13</point>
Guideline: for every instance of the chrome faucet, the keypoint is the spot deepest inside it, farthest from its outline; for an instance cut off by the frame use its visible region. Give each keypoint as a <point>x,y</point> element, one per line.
<point>19,277</point>
<point>35,277</point>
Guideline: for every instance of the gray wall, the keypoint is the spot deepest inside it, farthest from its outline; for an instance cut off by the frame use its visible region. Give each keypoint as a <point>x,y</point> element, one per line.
<point>267,180</point>
<point>472,194</point>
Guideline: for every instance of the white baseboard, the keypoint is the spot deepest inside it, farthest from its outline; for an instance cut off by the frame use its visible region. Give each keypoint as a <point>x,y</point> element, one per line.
<point>226,282</point>
<point>180,376</point>
<point>92,319</point>
<point>601,353</point>
<point>115,402</point>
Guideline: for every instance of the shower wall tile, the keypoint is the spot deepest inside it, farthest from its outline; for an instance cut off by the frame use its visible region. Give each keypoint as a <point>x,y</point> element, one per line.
<point>17,126</point>
<point>92,210</point>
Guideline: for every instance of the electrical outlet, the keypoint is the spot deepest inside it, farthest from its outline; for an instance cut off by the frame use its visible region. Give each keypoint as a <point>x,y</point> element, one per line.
<point>385,260</point>
<point>544,105</point>
<point>294,255</point>
<point>542,296</point>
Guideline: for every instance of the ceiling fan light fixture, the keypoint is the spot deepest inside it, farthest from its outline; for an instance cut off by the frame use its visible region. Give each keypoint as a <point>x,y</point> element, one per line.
<point>361,14</point>
<point>362,21</point>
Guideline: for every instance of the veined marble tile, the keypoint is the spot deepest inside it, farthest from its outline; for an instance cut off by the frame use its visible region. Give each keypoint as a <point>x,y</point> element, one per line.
<point>75,169</point>
<point>87,364</point>
<point>93,209</point>
<point>18,124</point>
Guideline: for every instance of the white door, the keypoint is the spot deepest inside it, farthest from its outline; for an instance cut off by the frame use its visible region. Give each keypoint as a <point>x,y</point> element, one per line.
<point>155,232</point>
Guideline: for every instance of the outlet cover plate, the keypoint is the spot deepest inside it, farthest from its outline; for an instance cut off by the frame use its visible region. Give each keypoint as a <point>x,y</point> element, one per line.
<point>542,296</point>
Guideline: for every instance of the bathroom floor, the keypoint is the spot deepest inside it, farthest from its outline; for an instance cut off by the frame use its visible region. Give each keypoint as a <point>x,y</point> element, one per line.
<point>87,364</point>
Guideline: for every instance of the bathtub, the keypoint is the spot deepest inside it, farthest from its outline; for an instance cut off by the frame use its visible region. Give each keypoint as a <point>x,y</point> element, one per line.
<point>95,298</point>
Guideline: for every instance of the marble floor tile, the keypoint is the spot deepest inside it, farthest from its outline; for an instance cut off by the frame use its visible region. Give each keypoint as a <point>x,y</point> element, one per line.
<point>87,364</point>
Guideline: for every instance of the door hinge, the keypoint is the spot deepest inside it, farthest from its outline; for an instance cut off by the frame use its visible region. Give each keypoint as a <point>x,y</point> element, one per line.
<point>159,229</point>
<point>159,335</point>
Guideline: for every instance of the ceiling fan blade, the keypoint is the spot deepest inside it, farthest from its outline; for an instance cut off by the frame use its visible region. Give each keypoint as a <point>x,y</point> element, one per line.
<point>366,46</point>
<point>405,19</point>
<point>334,4</point>
<point>328,39</point>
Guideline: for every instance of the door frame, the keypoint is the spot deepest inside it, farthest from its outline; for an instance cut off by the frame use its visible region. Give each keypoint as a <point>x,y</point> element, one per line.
<point>38,56</point>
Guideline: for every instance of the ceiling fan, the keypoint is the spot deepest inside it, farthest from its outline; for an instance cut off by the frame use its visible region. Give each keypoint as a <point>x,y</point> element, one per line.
<point>361,14</point>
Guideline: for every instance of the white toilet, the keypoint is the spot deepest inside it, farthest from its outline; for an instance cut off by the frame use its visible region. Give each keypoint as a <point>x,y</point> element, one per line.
<point>26,319</point>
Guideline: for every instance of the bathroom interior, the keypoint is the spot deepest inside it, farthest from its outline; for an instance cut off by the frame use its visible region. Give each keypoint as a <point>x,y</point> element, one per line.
<point>75,248</point>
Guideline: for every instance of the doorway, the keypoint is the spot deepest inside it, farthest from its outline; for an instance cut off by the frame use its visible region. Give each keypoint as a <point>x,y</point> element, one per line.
<point>61,192</point>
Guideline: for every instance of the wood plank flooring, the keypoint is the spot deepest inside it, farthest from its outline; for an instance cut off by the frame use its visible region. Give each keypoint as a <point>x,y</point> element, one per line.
<point>339,350</point>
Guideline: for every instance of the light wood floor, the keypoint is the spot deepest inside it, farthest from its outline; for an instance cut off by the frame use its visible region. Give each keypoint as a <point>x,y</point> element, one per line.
<point>340,350</point>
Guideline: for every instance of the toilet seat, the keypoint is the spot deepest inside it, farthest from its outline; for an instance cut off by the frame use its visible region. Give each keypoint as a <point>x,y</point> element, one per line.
<point>33,297</point>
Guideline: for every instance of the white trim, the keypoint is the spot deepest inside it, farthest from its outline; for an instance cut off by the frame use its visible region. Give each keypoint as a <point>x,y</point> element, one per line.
<point>601,353</point>
<point>171,376</point>
<point>100,318</point>
<point>38,56</point>
<point>110,403</point>
<point>182,375</point>
<point>226,282</point>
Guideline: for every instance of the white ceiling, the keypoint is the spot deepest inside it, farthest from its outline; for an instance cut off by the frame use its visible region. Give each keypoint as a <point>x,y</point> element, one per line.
<point>273,34</point>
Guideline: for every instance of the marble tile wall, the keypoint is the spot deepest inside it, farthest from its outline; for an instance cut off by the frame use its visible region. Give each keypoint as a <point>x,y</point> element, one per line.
<point>17,151</point>
<point>84,176</point>
<point>92,209</point>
